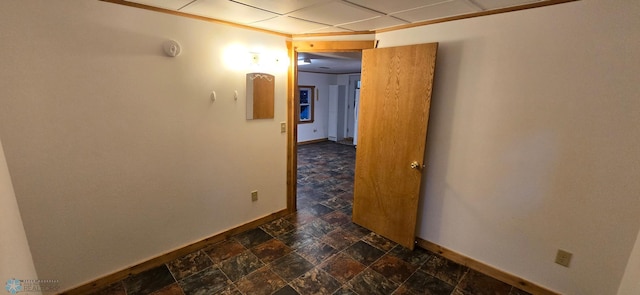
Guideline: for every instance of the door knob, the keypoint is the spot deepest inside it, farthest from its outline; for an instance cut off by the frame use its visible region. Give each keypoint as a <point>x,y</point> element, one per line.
<point>415,165</point>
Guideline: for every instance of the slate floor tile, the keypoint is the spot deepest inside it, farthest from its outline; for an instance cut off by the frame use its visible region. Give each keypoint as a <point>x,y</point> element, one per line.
<point>372,283</point>
<point>394,268</point>
<point>356,230</point>
<point>189,264</point>
<point>342,267</point>
<point>444,269</point>
<point>337,218</point>
<point>423,283</point>
<point>316,252</point>
<point>253,237</point>
<point>300,218</point>
<point>317,282</point>
<point>271,250</point>
<point>297,238</point>
<point>318,228</point>
<point>416,257</point>
<point>286,290</point>
<point>149,281</point>
<point>379,242</point>
<point>240,265</point>
<point>319,209</point>
<point>364,253</point>
<point>208,281</point>
<point>340,239</point>
<point>336,202</point>
<point>224,250</point>
<point>291,266</point>
<point>261,282</point>
<point>278,227</point>
<point>480,284</point>
<point>345,291</point>
<point>173,289</point>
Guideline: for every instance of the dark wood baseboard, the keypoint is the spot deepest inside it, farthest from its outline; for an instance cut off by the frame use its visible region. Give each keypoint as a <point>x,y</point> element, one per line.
<point>175,254</point>
<point>313,141</point>
<point>485,269</point>
<point>444,252</point>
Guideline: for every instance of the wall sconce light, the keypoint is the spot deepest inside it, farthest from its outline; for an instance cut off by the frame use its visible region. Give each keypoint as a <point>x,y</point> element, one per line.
<point>238,57</point>
<point>306,61</point>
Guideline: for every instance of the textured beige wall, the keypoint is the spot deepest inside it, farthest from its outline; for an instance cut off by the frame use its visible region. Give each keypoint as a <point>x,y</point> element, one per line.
<point>15,256</point>
<point>116,152</point>
<point>533,141</point>
<point>630,281</point>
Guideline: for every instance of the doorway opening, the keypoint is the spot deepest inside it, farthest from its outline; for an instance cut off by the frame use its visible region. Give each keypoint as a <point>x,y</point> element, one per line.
<point>296,47</point>
<point>325,154</point>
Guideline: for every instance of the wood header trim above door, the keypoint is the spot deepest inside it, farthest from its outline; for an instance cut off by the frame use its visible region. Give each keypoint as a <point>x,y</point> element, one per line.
<point>332,46</point>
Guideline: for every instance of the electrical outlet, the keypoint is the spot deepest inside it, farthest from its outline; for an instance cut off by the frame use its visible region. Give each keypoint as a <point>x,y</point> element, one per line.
<point>254,196</point>
<point>563,257</point>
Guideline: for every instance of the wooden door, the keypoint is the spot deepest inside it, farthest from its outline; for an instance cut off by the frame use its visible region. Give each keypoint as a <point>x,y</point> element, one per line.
<point>395,97</point>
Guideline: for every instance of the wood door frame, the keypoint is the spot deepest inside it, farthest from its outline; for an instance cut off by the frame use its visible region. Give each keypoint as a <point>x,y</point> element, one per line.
<point>293,47</point>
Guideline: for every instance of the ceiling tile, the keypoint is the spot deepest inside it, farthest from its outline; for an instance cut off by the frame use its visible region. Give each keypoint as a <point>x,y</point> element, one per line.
<point>387,6</point>
<point>374,23</point>
<point>288,25</point>
<point>169,4</point>
<point>334,13</point>
<point>495,4</point>
<point>330,30</point>
<point>227,10</point>
<point>329,16</point>
<point>281,6</point>
<point>334,62</point>
<point>441,10</point>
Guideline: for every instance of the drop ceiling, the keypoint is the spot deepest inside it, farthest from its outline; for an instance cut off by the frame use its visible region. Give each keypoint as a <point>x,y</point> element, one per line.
<point>295,17</point>
<point>331,62</point>
<point>299,17</point>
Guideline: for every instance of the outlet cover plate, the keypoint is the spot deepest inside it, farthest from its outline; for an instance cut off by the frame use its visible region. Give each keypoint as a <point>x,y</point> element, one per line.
<point>563,257</point>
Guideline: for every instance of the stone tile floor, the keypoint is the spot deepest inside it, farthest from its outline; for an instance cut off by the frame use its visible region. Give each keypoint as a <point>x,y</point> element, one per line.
<point>314,251</point>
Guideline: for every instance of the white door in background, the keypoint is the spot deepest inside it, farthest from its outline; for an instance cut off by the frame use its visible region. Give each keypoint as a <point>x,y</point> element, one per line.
<point>354,81</point>
<point>355,117</point>
<point>337,104</point>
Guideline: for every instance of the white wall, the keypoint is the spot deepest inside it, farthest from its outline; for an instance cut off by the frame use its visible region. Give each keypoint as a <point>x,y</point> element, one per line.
<point>319,128</point>
<point>533,141</point>
<point>15,257</point>
<point>116,152</point>
<point>630,283</point>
